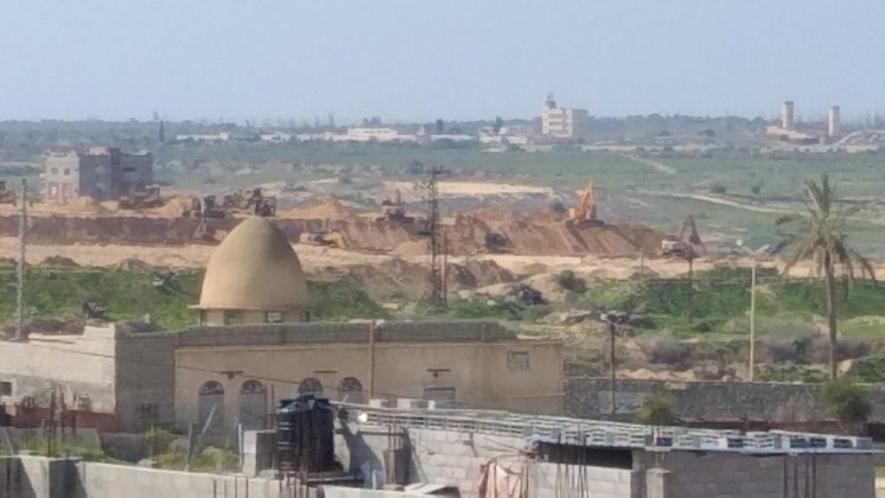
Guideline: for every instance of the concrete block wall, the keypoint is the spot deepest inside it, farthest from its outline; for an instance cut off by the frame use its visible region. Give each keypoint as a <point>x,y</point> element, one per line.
<point>454,459</point>
<point>551,480</point>
<point>145,375</point>
<point>728,475</point>
<point>98,480</point>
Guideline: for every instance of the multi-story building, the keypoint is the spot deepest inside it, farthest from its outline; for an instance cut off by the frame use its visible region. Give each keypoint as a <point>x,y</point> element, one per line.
<point>562,122</point>
<point>102,173</point>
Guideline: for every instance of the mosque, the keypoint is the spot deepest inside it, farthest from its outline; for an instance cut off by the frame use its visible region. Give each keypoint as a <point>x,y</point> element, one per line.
<point>254,343</point>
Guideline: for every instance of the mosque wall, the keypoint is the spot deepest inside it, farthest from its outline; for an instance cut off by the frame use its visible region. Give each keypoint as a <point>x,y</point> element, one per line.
<point>515,375</point>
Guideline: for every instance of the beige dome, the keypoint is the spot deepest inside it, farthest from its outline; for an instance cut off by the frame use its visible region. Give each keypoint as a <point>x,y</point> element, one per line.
<point>254,268</point>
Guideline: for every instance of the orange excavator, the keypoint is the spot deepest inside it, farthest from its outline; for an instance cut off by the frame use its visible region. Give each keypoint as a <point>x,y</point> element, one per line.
<point>585,210</point>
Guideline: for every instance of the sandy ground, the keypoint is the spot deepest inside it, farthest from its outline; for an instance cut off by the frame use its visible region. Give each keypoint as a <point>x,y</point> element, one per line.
<point>314,259</point>
<point>411,191</point>
<point>656,165</point>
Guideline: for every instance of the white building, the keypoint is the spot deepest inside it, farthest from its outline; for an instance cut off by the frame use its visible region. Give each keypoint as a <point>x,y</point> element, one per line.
<point>364,134</point>
<point>562,122</point>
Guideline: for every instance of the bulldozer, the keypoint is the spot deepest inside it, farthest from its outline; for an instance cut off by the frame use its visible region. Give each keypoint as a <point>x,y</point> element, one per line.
<point>145,198</point>
<point>7,196</point>
<point>331,238</point>
<point>395,209</point>
<point>257,203</point>
<point>687,245</point>
<point>204,207</point>
<point>584,212</point>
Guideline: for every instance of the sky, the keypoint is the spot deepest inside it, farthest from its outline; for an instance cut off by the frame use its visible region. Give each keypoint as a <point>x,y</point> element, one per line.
<point>419,60</point>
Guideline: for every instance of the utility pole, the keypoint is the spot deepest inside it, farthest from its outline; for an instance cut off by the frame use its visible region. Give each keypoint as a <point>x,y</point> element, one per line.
<point>20,267</point>
<point>436,241</point>
<point>752,366</point>
<point>612,366</point>
<point>372,330</point>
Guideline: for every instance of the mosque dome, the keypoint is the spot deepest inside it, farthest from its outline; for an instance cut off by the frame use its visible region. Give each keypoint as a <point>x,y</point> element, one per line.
<point>254,268</point>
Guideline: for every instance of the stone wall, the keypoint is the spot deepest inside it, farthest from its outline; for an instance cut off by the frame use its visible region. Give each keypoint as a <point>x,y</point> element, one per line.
<point>710,401</point>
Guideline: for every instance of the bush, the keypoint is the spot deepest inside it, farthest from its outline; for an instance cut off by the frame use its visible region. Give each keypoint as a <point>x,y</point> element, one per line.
<point>718,189</point>
<point>656,409</point>
<point>568,281</point>
<point>848,399</point>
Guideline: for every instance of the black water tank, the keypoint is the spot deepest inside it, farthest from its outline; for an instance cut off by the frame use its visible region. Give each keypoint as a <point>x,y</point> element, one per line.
<point>306,435</point>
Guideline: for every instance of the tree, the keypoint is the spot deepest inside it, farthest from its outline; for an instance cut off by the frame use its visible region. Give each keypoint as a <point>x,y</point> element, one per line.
<point>819,235</point>
<point>440,126</point>
<point>656,409</point>
<point>848,399</point>
<point>499,123</point>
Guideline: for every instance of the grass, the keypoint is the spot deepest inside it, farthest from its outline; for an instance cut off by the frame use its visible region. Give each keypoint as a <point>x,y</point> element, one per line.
<point>129,295</point>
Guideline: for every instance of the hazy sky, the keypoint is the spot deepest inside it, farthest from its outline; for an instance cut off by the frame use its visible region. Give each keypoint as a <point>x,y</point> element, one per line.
<point>422,59</point>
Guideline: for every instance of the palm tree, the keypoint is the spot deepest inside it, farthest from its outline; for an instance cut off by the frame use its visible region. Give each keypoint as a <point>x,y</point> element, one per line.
<point>819,235</point>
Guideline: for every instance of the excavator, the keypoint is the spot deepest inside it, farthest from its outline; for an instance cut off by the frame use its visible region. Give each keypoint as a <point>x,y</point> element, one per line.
<point>584,212</point>
<point>687,245</point>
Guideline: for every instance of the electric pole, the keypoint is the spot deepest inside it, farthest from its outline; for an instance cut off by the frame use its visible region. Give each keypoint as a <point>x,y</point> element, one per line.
<point>752,365</point>
<point>20,268</point>
<point>437,248</point>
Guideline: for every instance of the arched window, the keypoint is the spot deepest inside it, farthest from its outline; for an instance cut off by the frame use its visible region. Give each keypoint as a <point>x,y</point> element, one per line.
<point>350,389</point>
<point>211,404</point>
<point>310,385</point>
<point>253,405</point>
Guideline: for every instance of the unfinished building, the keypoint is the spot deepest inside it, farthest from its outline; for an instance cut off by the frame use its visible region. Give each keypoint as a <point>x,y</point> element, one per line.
<point>101,173</point>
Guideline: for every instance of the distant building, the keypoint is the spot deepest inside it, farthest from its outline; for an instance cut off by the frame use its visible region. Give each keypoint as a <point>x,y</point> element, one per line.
<point>214,137</point>
<point>562,122</point>
<point>366,134</point>
<point>102,173</point>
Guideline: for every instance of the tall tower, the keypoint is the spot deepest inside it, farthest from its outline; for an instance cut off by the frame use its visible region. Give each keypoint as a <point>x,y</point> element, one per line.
<point>787,116</point>
<point>834,121</point>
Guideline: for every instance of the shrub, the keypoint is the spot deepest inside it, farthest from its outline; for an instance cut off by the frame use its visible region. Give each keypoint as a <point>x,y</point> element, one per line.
<point>656,409</point>
<point>718,189</point>
<point>570,282</point>
<point>848,399</point>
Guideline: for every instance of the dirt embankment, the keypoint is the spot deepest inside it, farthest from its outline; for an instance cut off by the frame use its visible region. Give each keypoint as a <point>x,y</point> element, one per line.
<point>469,235</point>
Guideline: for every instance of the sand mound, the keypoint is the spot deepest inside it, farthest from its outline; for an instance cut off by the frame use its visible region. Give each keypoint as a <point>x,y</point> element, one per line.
<point>329,210</point>
<point>413,248</point>
<point>174,207</point>
<point>86,204</point>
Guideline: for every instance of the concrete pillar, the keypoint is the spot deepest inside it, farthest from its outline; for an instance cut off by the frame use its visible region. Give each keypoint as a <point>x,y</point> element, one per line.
<point>657,483</point>
<point>834,121</point>
<point>787,116</point>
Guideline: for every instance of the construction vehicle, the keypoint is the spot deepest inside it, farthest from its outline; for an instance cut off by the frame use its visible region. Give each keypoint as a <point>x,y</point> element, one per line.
<point>584,212</point>
<point>145,198</point>
<point>687,244</point>
<point>7,196</point>
<point>204,207</point>
<point>331,238</point>
<point>256,203</point>
<point>395,209</point>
